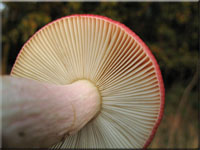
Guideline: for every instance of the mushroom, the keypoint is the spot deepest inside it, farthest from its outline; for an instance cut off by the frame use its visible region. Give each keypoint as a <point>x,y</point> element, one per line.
<point>109,56</point>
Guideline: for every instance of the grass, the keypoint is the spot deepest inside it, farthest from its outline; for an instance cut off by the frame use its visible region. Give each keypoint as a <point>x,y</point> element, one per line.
<point>178,130</point>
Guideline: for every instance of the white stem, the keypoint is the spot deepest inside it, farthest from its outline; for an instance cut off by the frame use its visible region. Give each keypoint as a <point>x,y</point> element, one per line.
<point>39,115</point>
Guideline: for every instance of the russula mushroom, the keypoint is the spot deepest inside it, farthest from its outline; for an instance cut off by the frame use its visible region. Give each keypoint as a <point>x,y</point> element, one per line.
<point>109,56</point>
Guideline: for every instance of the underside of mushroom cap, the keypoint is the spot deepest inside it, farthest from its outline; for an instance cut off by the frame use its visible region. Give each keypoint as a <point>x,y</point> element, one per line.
<point>116,60</point>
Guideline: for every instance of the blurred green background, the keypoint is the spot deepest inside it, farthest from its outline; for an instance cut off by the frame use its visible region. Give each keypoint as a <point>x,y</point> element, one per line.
<point>169,29</point>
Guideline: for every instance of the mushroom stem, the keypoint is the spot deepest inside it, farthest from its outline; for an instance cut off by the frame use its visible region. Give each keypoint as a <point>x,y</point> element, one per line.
<point>37,114</point>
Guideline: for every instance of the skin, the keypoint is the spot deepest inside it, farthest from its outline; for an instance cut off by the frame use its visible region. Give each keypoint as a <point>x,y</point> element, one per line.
<point>37,114</point>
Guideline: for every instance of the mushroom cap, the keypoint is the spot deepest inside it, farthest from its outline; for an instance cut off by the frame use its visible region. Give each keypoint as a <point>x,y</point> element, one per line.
<point>113,58</point>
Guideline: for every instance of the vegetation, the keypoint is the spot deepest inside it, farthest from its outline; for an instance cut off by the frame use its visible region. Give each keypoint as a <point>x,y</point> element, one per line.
<point>169,29</point>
